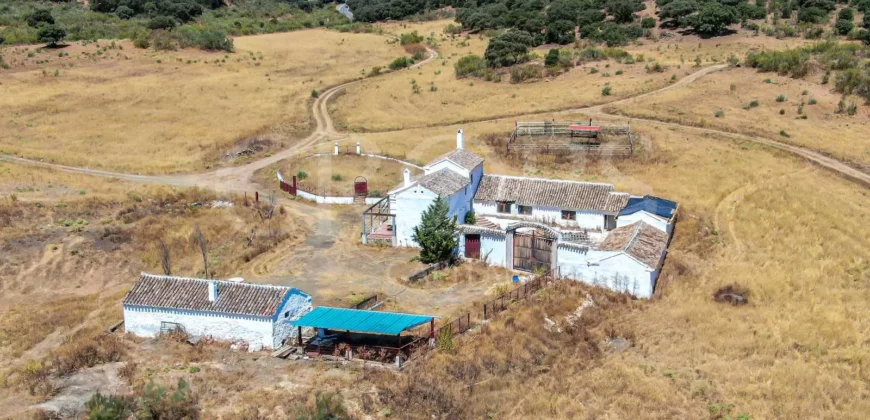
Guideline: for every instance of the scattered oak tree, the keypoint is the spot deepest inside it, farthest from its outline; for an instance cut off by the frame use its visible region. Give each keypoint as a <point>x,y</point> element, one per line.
<point>508,49</point>
<point>436,234</point>
<point>51,34</point>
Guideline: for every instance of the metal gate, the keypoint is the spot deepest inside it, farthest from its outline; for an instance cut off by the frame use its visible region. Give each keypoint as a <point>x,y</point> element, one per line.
<point>532,252</point>
<point>472,246</point>
<point>360,186</point>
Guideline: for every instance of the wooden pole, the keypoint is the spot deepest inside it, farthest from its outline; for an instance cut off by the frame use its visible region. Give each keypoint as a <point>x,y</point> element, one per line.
<point>299,336</point>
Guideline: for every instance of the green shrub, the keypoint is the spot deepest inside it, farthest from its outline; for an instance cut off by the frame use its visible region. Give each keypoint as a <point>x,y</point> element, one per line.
<point>376,70</point>
<point>843,27</point>
<point>781,111</point>
<point>783,133</point>
<point>719,114</point>
<point>314,93</point>
<point>781,98</point>
<point>520,74</point>
<point>400,63</point>
<point>162,22</point>
<point>301,175</point>
<point>410,38</point>
<point>337,177</point>
<point>752,104</point>
<point>812,101</point>
<point>470,218</point>
<point>606,90</point>
<point>552,57</point>
<point>593,70</point>
<point>648,23</point>
<point>470,65</point>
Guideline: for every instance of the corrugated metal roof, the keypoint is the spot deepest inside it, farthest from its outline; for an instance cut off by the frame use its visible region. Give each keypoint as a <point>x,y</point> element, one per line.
<point>343,319</point>
<point>651,204</point>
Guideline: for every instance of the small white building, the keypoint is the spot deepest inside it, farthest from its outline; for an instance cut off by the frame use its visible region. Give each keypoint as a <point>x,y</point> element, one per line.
<point>586,230</point>
<point>258,314</point>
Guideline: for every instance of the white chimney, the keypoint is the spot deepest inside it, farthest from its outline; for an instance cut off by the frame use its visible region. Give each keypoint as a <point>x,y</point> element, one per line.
<point>460,139</point>
<point>406,176</point>
<point>212,291</point>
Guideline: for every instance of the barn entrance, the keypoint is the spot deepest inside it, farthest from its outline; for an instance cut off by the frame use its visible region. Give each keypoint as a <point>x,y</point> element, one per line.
<point>472,246</point>
<point>532,251</point>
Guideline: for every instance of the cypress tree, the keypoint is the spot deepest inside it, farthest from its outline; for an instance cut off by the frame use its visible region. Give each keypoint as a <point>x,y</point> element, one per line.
<point>436,234</point>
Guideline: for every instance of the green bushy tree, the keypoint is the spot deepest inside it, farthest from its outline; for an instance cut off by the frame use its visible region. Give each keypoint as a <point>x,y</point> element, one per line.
<point>40,17</point>
<point>713,19</point>
<point>52,34</point>
<point>552,57</point>
<point>436,234</point>
<point>508,49</point>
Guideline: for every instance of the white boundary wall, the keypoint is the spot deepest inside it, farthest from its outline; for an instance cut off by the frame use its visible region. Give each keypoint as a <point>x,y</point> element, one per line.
<point>344,200</point>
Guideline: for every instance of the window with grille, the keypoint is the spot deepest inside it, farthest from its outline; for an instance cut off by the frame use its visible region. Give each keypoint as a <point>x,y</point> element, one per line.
<point>569,215</point>
<point>524,210</point>
<point>504,207</point>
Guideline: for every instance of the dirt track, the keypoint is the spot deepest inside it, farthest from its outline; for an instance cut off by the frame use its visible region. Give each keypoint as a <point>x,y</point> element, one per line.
<point>239,179</point>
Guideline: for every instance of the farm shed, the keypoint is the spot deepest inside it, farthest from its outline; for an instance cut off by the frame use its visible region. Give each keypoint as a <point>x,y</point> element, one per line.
<point>361,328</point>
<point>257,314</point>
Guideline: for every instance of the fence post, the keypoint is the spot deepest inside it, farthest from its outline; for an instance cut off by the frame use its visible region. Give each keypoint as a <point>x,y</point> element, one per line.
<point>335,149</point>
<point>484,311</point>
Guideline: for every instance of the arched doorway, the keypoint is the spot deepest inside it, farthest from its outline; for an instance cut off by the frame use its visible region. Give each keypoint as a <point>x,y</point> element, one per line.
<point>360,187</point>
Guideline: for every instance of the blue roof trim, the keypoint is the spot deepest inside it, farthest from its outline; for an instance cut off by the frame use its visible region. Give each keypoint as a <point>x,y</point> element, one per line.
<point>343,319</point>
<point>650,204</point>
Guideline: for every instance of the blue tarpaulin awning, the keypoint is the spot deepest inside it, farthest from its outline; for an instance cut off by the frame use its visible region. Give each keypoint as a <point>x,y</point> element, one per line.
<point>343,319</point>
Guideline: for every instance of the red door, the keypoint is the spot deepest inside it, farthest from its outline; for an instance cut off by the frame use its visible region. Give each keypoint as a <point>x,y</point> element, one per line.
<point>472,246</point>
<point>360,186</point>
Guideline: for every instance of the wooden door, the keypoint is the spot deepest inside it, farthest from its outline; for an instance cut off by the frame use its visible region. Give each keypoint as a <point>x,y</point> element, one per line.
<point>472,246</point>
<point>532,252</point>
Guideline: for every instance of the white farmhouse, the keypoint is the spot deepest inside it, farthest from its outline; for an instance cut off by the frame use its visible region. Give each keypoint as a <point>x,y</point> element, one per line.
<point>258,314</point>
<point>587,231</point>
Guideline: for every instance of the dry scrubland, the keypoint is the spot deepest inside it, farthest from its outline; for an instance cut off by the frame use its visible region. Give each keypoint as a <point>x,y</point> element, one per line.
<point>67,260</point>
<point>157,112</point>
<point>730,91</point>
<point>471,99</point>
<point>794,235</point>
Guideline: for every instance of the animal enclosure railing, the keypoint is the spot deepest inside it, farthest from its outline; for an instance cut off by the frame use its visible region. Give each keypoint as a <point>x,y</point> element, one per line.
<point>551,137</point>
<point>522,292</point>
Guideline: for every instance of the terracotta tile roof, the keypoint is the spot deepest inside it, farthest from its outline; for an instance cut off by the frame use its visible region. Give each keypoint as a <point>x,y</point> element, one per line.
<point>461,157</point>
<point>572,195</point>
<point>444,182</point>
<point>192,294</point>
<point>640,240</point>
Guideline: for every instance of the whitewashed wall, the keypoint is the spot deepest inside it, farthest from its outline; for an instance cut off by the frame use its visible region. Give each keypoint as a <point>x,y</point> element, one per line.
<point>494,245</point>
<point>294,308</point>
<point>655,221</point>
<point>256,331</point>
<point>409,207</point>
<point>320,199</point>
<point>544,214</point>
<point>613,270</point>
<point>403,162</point>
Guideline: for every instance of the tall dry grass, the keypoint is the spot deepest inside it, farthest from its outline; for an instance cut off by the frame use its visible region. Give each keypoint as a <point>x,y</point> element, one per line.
<point>159,112</point>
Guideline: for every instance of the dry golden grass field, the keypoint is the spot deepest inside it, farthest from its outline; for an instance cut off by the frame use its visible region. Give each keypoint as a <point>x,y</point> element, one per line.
<point>796,236</point>
<point>160,112</point>
<point>731,91</point>
<point>445,99</point>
